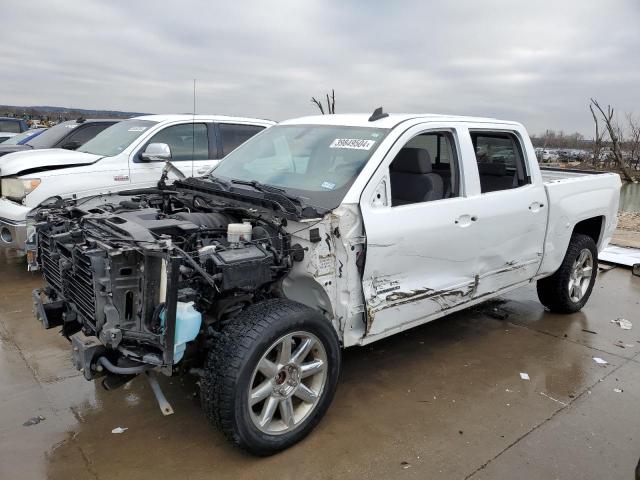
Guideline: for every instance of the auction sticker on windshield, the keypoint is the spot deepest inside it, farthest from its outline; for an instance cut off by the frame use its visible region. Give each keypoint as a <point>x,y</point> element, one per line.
<point>353,143</point>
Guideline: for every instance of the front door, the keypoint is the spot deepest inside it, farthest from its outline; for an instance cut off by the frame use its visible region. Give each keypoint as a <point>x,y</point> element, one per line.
<point>421,250</point>
<point>186,141</point>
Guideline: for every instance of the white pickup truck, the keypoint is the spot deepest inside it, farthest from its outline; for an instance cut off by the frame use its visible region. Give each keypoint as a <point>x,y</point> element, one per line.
<point>115,159</point>
<point>319,233</point>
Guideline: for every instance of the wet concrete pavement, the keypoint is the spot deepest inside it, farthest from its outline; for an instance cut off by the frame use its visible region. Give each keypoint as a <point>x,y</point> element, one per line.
<point>444,400</point>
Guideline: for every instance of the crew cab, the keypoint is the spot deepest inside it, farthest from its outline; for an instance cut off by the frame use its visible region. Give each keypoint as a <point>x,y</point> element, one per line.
<point>318,234</point>
<point>120,157</point>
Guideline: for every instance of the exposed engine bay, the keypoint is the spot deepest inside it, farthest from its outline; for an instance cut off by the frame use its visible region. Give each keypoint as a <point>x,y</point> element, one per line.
<point>136,276</point>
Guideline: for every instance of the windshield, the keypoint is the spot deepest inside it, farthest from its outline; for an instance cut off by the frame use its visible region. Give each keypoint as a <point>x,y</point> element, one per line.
<point>21,137</point>
<point>53,135</point>
<point>113,140</point>
<point>318,162</point>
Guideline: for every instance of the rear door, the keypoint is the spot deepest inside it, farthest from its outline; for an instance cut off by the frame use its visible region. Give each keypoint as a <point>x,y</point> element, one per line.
<point>510,207</point>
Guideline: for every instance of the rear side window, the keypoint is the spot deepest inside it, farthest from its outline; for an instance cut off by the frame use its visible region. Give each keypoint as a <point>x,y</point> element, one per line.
<point>500,160</point>
<point>10,126</point>
<point>235,135</point>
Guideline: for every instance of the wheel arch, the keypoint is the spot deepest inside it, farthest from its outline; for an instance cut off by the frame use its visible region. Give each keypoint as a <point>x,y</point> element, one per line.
<point>592,227</point>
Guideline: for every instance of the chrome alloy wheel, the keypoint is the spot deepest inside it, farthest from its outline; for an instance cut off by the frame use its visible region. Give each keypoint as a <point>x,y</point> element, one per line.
<point>580,276</point>
<point>287,383</point>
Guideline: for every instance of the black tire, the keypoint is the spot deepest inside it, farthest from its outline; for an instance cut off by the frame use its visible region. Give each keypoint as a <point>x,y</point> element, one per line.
<point>553,291</point>
<point>234,357</point>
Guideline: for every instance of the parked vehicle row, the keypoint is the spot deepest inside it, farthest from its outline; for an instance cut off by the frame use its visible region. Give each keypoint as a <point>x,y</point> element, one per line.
<point>317,234</point>
<point>10,127</point>
<point>109,156</point>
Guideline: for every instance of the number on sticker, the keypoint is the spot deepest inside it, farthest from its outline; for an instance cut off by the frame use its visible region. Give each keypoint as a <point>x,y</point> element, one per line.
<point>353,143</point>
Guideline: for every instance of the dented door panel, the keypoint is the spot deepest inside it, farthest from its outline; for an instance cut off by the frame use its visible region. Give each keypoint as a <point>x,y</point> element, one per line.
<point>419,262</point>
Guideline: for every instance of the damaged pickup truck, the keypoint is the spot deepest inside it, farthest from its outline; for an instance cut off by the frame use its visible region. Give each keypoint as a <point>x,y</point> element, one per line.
<point>317,234</point>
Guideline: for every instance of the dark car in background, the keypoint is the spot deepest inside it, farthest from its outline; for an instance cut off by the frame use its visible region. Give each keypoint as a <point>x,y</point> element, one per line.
<point>11,126</point>
<point>69,135</point>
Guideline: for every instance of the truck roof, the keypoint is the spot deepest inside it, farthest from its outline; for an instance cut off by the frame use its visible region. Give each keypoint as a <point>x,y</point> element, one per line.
<point>215,118</point>
<point>390,121</point>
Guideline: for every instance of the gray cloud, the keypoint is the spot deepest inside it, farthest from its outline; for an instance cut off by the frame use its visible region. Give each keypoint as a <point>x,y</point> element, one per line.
<point>536,62</point>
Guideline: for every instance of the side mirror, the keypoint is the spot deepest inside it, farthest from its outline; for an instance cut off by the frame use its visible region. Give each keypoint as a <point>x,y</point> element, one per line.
<point>156,152</point>
<point>71,145</point>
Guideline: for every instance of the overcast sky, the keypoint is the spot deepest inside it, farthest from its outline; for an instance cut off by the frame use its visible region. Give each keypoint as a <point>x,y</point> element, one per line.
<point>537,62</point>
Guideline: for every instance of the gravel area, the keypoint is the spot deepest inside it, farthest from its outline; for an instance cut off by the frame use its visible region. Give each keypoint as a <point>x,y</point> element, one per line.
<point>629,221</point>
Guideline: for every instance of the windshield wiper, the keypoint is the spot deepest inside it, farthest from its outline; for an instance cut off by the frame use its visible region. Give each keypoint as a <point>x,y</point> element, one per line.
<point>261,187</point>
<point>307,209</point>
<point>219,181</point>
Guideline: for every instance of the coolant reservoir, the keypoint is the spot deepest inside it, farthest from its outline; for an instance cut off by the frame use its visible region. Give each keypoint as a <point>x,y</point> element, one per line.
<point>239,232</point>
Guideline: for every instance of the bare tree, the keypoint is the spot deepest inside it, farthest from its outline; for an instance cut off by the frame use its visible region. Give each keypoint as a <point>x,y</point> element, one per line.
<point>615,135</point>
<point>331,103</point>
<point>633,144</point>
<point>598,138</point>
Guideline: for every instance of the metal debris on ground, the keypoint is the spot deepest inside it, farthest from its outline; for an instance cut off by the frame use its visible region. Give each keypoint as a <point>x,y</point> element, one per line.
<point>621,344</point>
<point>554,399</point>
<point>524,376</point>
<point>498,313</point>
<point>33,421</point>
<point>604,267</point>
<point>600,361</point>
<point>119,430</point>
<point>589,331</point>
<point>623,323</point>
<point>618,390</point>
<point>405,465</point>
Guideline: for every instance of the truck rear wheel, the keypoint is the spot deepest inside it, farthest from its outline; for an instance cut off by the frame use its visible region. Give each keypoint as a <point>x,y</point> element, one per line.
<point>569,288</point>
<point>271,375</point>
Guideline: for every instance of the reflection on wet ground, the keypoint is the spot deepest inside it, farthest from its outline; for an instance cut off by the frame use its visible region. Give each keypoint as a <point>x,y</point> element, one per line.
<point>445,398</point>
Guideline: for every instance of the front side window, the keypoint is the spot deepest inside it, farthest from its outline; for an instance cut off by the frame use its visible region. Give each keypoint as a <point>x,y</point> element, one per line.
<point>318,162</point>
<point>116,138</point>
<point>425,169</point>
<point>187,141</point>
<point>500,161</point>
<point>235,135</point>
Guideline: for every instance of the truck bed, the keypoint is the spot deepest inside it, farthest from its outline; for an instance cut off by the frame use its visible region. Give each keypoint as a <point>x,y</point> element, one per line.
<point>574,196</point>
<point>553,174</point>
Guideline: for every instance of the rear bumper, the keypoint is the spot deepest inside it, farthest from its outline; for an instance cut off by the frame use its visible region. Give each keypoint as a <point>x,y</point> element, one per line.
<point>13,234</point>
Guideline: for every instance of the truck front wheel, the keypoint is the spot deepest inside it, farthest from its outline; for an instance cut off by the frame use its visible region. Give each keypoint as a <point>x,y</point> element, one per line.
<point>569,288</point>
<point>271,375</point>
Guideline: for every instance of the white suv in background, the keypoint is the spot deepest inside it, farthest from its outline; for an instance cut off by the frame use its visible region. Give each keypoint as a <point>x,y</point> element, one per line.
<point>119,158</point>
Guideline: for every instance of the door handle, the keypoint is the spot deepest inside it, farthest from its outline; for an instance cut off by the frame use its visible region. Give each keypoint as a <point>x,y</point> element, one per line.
<point>465,220</point>
<point>536,206</point>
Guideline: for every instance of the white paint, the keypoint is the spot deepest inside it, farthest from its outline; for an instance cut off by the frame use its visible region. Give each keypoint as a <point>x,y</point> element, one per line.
<point>421,264</point>
<point>524,376</point>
